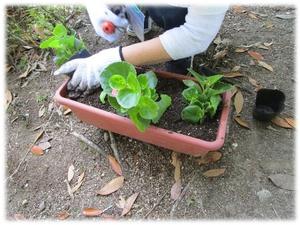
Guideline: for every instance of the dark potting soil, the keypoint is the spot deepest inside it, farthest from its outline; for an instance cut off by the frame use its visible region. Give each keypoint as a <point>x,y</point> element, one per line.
<point>171,119</point>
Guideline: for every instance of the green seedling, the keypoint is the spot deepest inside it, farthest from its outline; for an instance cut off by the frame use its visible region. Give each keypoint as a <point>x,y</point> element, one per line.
<point>64,45</point>
<point>203,97</point>
<point>133,95</point>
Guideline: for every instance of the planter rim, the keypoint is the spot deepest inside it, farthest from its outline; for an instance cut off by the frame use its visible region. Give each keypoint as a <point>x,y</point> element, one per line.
<point>194,146</point>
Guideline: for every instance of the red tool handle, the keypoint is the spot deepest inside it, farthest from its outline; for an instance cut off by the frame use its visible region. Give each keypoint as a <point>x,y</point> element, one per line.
<point>108,27</point>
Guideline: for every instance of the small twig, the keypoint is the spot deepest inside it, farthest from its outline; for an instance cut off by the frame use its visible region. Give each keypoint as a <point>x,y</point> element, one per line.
<point>181,196</point>
<point>156,204</point>
<point>89,143</point>
<point>113,145</point>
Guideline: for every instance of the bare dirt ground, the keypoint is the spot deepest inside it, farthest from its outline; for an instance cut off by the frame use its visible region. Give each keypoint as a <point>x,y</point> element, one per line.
<point>38,190</point>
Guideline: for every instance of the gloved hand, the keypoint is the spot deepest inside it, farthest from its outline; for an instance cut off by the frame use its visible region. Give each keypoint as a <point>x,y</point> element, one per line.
<point>100,13</point>
<point>86,77</point>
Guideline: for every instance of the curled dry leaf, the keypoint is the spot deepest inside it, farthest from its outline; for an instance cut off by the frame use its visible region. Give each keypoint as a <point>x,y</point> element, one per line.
<point>265,65</point>
<point>114,165</point>
<point>210,157</point>
<point>255,55</point>
<point>241,122</point>
<point>71,172</point>
<point>241,50</point>
<point>232,74</point>
<point>69,189</point>
<point>280,122</point>
<point>42,111</point>
<point>112,186</point>
<point>66,112</point>
<point>176,190</point>
<point>8,98</point>
<point>268,44</point>
<point>214,172</point>
<point>220,54</point>
<point>291,121</point>
<point>90,212</point>
<point>253,82</point>
<point>62,215</point>
<point>37,150</point>
<point>129,203</point>
<point>261,46</point>
<point>238,102</point>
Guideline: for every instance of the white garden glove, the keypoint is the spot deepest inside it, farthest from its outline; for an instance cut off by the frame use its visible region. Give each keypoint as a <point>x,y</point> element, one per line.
<point>100,13</point>
<point>86,77</point>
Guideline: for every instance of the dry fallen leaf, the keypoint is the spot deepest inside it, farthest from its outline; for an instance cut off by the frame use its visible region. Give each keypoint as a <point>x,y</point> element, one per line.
<point>91,212</point>
<point>66,112</point>
<point>252,15</point>
<point>241,122</point>
<point>241,50</point>
<point>71,172</point>
<point>8,68</point>
<point>265,65</point>
<point>254,82</point>
<point>232,74</point>
<point>42,111</point>
<point>262,47</point>
<point>283,181</point>
<point>69,189</point>
<point>291,121</point>
<point>8,98</point>
<point>26,73</point>
<point>19,216</point>
<point>210,157</point>
<point>280,122</point>
<point>79,183</point>
<point>37,150</point>
<point>176,190</point>
<point>112,186</point>
<point>255,55</point>
<point>236,68</point>
<point>238,102</point>
<point>285,16</point>
<point>268,44</point>
<point>114,165</point>
<point>238,9</point>
<point>214,172</point>
<point>129,203</point>
<point>220,54</point>
<point>177,164</point>
<point>62,215</point>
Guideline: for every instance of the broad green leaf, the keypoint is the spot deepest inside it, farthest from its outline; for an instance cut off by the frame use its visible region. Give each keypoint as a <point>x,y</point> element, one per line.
<point>190,93</point>
<point>102,97</point>
<point>213,79</point>
<point>143,80</point>
<point>191,83</point>
<point>120,68</point>
<point>201,79</point>
<point>140,123</point>
<point>128,98</point>
<point>192,113</point>
<point>164,102</point>
<point>213,105</point>
<point>133,83</point>
<point>117,82</point>
<point>60,30</point>
<point>148,108</point>
<point>154,95</point>
<point>114,103</point>
<point>219,88</point>
<point>45,44</point>
<point>152,79</point>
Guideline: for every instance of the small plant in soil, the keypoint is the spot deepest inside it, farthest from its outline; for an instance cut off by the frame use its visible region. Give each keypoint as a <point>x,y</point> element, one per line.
<point>132,94</point>
<point>203,97</point>
<point>65,46</point>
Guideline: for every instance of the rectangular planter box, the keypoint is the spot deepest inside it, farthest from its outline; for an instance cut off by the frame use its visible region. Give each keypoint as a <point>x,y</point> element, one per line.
<point>153,135</point>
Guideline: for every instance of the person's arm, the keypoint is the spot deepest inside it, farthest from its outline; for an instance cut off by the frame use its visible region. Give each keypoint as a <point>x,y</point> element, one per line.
<point>145,53</point>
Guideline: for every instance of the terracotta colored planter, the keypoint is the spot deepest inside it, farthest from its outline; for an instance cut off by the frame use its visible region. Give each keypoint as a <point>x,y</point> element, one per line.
<point>153,135</point>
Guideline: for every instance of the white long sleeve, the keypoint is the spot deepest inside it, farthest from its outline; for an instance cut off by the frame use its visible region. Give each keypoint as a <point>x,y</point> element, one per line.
<point>195,35</point>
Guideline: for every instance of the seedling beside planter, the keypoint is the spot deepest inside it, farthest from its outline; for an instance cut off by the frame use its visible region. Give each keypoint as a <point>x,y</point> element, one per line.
<point>153,134</point>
